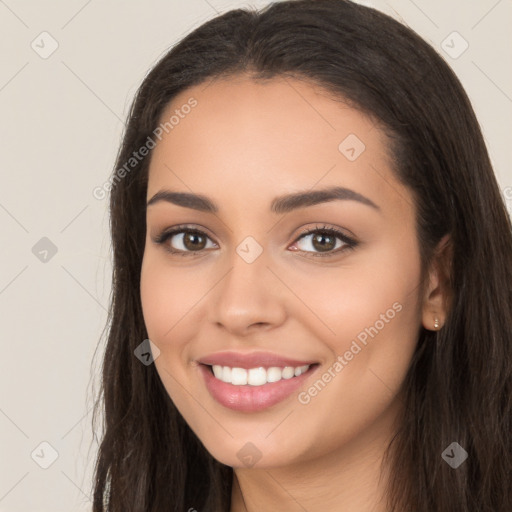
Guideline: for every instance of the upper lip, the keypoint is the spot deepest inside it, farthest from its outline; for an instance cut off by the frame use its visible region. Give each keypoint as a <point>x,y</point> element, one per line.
<point>252,360</point>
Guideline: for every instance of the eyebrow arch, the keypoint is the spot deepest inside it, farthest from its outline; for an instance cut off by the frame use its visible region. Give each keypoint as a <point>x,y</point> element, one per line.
<point>280,205</point>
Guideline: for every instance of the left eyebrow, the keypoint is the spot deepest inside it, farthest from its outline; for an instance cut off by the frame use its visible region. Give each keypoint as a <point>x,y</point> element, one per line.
<point>280,205</point>
<point>289,202</point>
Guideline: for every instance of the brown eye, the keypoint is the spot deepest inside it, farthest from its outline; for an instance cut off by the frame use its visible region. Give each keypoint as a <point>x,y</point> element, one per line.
<point>324,242</point>
<point>319,241</point>
<point>194,241</point>
<point>182,241</point>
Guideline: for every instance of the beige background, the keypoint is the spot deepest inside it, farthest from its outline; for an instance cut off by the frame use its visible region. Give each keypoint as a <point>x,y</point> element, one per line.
<point>61,122</point>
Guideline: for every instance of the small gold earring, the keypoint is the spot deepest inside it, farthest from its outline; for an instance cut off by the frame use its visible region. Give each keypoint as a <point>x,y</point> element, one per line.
<point>436,323</point>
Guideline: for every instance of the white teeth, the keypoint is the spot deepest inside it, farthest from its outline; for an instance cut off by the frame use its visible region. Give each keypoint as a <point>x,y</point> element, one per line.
<point>238,376</point>
<point>256,376</point>
<point>288,372</point>
<point>274,374</point>
<point>226,374</point>
<point>217,371</point>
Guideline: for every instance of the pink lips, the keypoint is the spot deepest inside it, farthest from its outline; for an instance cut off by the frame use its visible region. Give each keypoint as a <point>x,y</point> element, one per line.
<point>253,360</point>
<point>252,398</point>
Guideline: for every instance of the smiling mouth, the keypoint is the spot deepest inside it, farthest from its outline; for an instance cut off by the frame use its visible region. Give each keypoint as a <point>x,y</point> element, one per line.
<point>251,390</point>
<point>257,376</point>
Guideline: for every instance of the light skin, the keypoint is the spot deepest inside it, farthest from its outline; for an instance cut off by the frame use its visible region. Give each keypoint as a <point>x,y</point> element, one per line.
<point>243,145</point>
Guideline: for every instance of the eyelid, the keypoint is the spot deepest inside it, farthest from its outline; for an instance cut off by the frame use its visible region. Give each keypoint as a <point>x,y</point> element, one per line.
<point>166,232</point>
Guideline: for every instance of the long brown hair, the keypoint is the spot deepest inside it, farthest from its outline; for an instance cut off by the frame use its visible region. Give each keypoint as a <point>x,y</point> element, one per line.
<point>459,386</point>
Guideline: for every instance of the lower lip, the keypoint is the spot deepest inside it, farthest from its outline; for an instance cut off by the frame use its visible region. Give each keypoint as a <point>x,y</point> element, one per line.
<point>249,398</point>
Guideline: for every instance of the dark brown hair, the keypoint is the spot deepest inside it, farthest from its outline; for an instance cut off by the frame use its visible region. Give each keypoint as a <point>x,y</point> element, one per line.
<point>459,385</point>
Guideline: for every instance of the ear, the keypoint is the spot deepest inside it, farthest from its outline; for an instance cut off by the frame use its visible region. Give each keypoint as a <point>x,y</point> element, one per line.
<point>437,289</point>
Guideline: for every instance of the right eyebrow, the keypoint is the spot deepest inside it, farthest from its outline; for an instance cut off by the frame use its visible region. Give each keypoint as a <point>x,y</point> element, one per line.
<point>185,199</point>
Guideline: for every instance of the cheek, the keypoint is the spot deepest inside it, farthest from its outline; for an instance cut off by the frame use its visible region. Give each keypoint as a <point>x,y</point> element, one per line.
<point>373,312</point>
<point>157,299</point>
<point>375,316</point>
<point>377,290</point>
<point>169,298</point>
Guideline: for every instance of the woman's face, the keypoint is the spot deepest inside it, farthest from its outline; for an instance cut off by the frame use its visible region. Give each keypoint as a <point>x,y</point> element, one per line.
<point>300,253</point>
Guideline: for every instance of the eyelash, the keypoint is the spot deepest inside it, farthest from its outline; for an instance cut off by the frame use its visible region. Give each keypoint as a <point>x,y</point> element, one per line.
<point>350,244</point>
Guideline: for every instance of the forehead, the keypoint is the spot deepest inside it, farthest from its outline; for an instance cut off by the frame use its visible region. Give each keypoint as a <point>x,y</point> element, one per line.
<point>259,138</point>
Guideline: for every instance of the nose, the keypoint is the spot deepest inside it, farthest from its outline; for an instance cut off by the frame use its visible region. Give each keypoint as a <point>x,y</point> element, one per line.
<point>248,298</point>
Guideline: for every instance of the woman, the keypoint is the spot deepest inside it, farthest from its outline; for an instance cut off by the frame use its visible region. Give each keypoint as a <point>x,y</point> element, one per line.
<point>307,227</point>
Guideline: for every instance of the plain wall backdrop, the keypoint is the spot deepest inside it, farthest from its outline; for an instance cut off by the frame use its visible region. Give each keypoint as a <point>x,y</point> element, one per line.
<point>69,70</point>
